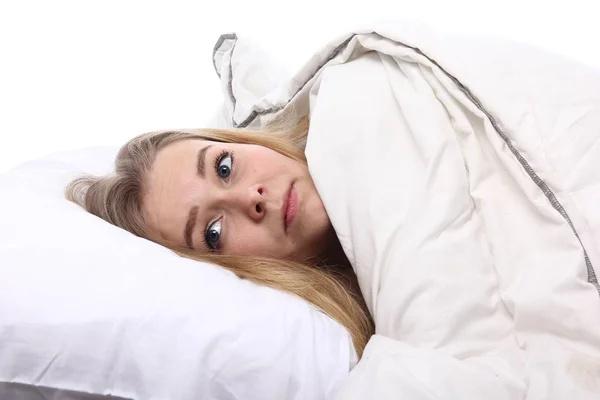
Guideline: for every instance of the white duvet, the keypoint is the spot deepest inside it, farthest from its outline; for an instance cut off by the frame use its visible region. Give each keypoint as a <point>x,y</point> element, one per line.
<point>462,176</point>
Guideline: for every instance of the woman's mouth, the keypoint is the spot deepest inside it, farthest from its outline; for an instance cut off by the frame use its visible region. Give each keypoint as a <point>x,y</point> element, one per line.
<point>290,207</point>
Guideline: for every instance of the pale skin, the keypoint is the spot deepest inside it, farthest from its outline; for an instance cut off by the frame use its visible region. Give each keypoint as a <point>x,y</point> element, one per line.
<point>234,199</point>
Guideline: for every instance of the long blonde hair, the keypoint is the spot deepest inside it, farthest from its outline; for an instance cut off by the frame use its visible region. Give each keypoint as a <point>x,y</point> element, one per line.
<point>117,198</point>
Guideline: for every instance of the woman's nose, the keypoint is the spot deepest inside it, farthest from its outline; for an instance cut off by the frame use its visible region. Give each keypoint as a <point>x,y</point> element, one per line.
<point>250,202</point>
<point>257,203</point>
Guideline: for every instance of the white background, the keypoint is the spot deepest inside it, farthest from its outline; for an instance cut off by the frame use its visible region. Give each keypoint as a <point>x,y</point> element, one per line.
<point>81,73</point>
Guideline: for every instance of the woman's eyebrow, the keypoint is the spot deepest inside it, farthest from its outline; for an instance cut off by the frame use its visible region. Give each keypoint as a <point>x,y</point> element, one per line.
<point>201,163</point>
<point>189,227</point>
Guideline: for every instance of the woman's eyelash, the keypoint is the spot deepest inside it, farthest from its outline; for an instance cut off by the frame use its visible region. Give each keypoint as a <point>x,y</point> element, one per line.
<point>222,155</point>
<point>203,239</point>
<point>220,158</point>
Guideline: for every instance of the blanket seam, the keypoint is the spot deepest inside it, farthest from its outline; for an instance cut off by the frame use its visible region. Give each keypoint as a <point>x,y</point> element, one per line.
<point>222,38</point>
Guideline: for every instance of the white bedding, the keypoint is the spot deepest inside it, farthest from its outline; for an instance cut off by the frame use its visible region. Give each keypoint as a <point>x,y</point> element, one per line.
<point>462,176</point>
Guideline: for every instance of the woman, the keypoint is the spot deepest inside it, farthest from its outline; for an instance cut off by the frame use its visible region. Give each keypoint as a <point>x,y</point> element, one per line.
<point>240,199</point>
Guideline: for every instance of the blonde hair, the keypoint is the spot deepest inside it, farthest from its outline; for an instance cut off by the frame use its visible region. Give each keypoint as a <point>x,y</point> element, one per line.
<point>117,198</point>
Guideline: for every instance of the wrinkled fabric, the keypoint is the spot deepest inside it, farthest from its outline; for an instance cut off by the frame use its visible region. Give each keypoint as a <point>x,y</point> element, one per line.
<point>462,176</point>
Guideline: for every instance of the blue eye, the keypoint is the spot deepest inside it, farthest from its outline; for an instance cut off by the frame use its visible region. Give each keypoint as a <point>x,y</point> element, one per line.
<point>224,165</point>
<point>212,236</point>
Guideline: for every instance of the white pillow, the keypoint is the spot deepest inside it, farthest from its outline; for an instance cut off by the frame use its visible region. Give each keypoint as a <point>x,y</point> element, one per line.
<point>88,310</point>
<point>86,307</point>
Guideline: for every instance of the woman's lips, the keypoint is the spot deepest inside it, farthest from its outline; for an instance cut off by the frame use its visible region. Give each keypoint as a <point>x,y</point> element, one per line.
<point>290,207</point>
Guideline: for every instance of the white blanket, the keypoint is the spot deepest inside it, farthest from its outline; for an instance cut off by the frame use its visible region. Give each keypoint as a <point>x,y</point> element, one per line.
<point>462,176</point>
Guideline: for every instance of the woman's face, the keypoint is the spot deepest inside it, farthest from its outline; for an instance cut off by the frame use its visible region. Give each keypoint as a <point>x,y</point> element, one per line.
<point>236,199</point>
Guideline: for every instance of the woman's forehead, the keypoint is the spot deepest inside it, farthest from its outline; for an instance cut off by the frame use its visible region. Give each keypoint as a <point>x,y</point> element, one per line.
<point>176,164</point>
<point>172,185</point>
<point>173,151</point>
